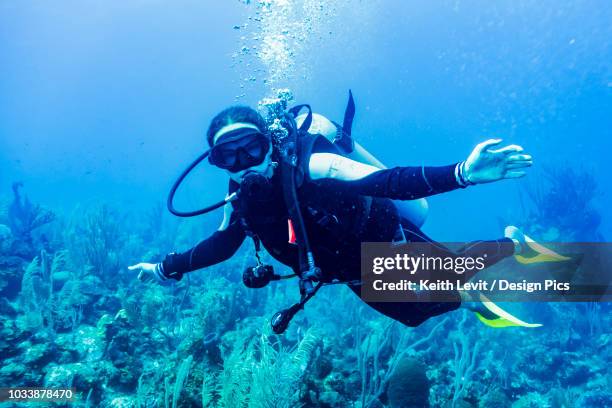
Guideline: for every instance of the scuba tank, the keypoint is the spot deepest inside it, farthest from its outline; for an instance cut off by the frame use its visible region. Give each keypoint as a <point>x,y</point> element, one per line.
<point>413,210</point>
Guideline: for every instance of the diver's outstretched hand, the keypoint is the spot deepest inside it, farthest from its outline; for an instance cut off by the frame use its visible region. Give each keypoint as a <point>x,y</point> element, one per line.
<point>147,272</point>
<point>486,164</point>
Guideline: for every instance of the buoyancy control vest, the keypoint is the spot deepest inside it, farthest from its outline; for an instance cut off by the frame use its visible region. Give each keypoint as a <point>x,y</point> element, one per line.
<point>337,217</point>
<point>334,218</point>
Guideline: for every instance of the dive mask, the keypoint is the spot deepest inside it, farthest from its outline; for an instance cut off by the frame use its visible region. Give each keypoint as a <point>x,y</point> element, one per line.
<point>239,150</point>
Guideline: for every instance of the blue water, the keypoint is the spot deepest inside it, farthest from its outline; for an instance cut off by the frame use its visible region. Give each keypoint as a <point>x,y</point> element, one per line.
<point>99,98</point>
<point>105,102</point>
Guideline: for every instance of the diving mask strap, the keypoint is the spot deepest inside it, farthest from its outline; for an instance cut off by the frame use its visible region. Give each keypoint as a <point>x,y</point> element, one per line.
<point>231,127</point>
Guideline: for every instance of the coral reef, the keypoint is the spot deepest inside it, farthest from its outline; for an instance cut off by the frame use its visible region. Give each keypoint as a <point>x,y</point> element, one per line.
<point>80,319</point>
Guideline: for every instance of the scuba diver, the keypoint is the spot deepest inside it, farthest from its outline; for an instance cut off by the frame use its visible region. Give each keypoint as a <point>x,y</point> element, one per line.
<point>310,195</point>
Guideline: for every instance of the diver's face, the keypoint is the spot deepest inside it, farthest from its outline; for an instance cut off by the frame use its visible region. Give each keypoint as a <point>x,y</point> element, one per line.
<point>265,168</point>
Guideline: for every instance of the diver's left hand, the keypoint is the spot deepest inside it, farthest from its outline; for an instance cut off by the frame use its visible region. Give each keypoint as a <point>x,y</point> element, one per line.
<point>485,164</point>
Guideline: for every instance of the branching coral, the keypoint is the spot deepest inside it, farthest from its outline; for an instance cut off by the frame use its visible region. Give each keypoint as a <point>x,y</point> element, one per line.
<point>376,371</point>
<point>24,217</point>
<point>465,360</point>
<point>31,296</point>
<point>36,297</point>
<point>562,200</point>
<point>179,383</point>
<point>278,370</point>
<point>260,372</point>
<point>94,240</point>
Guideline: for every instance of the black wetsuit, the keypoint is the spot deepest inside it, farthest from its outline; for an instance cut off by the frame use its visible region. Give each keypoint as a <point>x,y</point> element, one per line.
<point>338,216</point>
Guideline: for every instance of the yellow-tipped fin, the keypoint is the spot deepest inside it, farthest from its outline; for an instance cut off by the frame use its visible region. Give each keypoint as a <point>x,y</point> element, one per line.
<point>543,254</point>
<point>504,318</point>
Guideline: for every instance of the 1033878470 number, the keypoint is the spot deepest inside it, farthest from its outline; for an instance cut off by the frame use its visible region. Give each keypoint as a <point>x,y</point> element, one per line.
<point>16,394</point>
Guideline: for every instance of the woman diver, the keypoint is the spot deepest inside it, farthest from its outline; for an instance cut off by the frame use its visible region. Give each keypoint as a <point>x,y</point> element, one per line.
<point>341,203</point>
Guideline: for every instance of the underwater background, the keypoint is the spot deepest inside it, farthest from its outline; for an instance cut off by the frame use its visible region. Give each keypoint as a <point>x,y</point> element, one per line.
<point>102,104</point>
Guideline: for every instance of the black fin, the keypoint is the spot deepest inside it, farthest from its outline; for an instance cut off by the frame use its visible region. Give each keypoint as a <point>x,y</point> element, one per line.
<point>349,115</point>
<point>344,140</point>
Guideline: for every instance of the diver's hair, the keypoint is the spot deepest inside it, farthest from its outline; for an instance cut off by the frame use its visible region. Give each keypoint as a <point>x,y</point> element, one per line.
<point>234,114</point>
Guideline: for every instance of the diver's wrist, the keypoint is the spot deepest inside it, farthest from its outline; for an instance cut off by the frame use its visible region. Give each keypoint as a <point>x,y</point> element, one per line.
<point>168,268</point>
<point>461,175</point>
<point>457,176</point>
<point>159,273</point>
